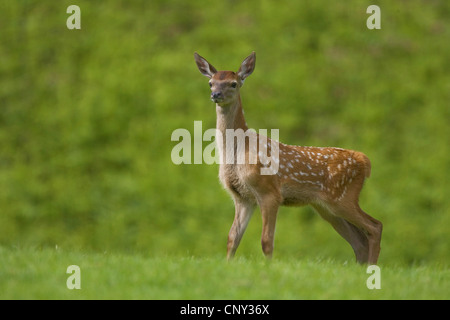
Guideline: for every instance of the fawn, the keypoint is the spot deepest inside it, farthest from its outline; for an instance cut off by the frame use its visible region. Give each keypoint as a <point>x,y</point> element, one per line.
<point>329,179</point>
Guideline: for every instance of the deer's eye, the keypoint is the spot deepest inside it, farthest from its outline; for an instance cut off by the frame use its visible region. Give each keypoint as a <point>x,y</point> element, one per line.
<point>233,84</point>
<point>210,84</point>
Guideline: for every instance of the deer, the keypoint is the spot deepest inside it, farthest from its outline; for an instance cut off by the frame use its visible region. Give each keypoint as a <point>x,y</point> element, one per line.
<point>327,178</point>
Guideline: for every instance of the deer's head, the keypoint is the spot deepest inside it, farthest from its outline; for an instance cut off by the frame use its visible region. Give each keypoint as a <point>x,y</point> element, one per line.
<point>225,85</point>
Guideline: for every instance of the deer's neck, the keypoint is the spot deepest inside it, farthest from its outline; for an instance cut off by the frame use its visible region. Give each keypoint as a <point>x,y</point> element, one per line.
<point>231,117</point>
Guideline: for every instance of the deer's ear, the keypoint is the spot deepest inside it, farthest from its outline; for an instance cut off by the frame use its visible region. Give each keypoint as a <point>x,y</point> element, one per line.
<point>204,66</point>
<point>247,66</point>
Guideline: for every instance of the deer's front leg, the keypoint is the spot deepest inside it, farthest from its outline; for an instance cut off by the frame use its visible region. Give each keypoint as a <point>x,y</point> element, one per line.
<point>243,213</point>
<point>269,209</point>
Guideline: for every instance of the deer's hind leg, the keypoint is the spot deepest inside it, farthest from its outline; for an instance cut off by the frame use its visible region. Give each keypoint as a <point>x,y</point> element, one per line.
<point>368,225</point>
<point>354,236</point>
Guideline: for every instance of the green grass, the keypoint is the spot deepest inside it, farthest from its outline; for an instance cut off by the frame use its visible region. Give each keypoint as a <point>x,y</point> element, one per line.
<point>41,274</point>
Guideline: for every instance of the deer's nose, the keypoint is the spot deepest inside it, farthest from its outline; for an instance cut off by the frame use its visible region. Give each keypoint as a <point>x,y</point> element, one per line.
<point>216,95</point>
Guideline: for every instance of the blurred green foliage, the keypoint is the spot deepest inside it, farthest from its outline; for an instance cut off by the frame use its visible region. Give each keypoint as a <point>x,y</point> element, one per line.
<point>86,118</point>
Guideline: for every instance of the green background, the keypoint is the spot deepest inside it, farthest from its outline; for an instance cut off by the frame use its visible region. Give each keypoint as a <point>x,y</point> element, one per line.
<point>86,118</point>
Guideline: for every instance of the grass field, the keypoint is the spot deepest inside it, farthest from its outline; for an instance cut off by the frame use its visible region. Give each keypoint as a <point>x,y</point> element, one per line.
<point>41,274</point>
